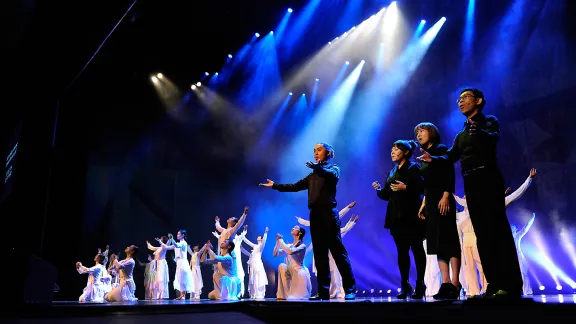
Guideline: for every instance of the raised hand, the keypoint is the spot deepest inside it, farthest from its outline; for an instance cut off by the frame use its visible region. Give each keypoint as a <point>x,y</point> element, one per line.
<point>268,184</point>
<point>356,218</point>
<point>246,210</point>
<point>507,191</point>
<point>78,265</point>
<point>170,235</point>
<point>398,186</point>
<point>266,230</point>
<point>278,236</point>
<point>217,219</point>
<point>107,247</point>
<point>376,185</point>
<point>311,164</point>
<point>533,173</point>
<point>352,204</point>
<point>157,239</point>
<point>425,157</point>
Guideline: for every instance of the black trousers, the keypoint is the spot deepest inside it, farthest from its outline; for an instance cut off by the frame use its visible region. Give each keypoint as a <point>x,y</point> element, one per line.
<point>325,233</point>
<point>484,190</point>
<point>405,243</point>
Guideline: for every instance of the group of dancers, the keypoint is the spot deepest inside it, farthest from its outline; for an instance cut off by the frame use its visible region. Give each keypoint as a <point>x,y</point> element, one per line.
<point>421,216</point>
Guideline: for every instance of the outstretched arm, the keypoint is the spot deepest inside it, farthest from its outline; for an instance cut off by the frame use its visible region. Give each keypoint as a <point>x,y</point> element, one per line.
<point>239,223</point>
<point>300,185</point>
<point>346,209</point>
<point>150,247</point>
<point>520,191</point>
<point>351,222</point>
<point>219,228</point>
<point>264,238</point>
<point>290,250</point>
<point>526,228</point>
<point>247,241</point>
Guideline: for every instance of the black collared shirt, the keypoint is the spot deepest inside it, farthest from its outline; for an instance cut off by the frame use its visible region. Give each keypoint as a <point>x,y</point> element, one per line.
<point>478,150</point>
<point>321,185</point>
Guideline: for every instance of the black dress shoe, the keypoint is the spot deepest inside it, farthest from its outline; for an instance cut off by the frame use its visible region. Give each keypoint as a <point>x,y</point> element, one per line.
<point>420,291</point>
<point>318,297</point>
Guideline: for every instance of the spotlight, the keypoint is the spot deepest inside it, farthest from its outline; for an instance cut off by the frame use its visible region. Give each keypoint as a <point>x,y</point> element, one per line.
<point>558,287</point>
<point>289,9</point>
<point>329,43</point>
<point>290,93</point>
<point>317,79</point>
<point>336,38</point>
<point>303,95</point>
<point>353,27</point>
<point>216,74</point>
<point>154,79</point>
<point>443,18</point>
<point>541,287</point>
<point>159,75</point>
<point>347,63</point>
<point>199,84</point>
<point>399,289</point>
<point>388,291</point>
<point>345,33</point>
<point>206,73</point>
<point>193,87</point>
<point>229,55</point>
<point>362,61</point>
<point>422,21</point>
<point>257,35</point>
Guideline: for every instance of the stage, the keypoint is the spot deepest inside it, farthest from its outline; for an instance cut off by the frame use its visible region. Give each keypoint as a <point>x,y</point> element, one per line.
<point>540,307</point>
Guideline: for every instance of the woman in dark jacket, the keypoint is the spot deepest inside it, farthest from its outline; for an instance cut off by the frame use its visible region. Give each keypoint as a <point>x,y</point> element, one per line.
<point>439,210</point>
<point>402,191</point>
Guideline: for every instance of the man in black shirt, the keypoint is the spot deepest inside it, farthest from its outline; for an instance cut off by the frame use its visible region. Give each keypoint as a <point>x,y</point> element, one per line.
<point>324,220</point>
<point>475,147</point>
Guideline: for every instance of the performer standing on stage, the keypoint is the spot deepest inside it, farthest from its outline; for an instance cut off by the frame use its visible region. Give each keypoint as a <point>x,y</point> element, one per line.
<point>439,211</point>
<point>195,255</point>
<point>470,247</point>
<point>149,274</point>
<point>475,147</point>
<point>293,276</point>
<point>518,235</point>
<point>162,275</point>
<point>183,280</point>
<point>402,190</point>
<point>258,280</point>
<point>240,273</point>
<point>336,289</point>
<point>226,283</point>
<point>324,221</point>
<point>95,288</point>
<point>125,290</point>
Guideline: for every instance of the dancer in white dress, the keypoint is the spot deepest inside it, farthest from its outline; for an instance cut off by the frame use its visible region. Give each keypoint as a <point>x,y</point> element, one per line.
<point>258,280</point>
<point>336,288</point>
<point>183,279</point>
<point>226,283</point>
<point>238,238</point>
<point>161,275</point>
<point>195,255</point>
<point>471,260</point>
<point>95,290</point>
<point>293,277</point>
<point>432,275</point>
<point>518,235</point>
<point>126,288</point>
<point>149,274</point>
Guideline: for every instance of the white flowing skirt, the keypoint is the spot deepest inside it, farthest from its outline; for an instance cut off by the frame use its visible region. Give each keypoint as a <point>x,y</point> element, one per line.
<point>93,293</point>
<point>197,279</point>
<point>258,280</point>
<point>161,280</point>
<point>183,280</point>
<point>123,292</point>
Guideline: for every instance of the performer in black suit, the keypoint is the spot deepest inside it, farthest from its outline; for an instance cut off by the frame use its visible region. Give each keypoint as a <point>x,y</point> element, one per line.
<point>402,190</point>
<point>324,220</point>
<point>475,147</point>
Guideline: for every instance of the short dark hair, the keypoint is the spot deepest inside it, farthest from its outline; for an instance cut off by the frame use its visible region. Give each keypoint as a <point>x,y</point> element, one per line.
<point>231,245</point>
<point>478,95</point>
<point>407,146</point>
<point>432,130</point>
<point>328,148</point>
<point>101,258</point>
<point>135,249</point>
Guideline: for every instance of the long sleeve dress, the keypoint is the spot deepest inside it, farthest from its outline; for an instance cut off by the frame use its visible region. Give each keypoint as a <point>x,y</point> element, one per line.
<point>95,289</point>
<point>257,274</point>
<point>293,277</point>
<point>162,275</point>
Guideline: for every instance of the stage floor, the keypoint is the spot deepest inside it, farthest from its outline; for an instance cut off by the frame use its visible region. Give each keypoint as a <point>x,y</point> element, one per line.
<point>540,307</point>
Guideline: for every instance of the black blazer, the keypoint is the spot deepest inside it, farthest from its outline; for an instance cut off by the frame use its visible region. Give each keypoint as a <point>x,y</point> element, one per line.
<point>403,206</point>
